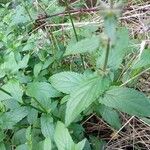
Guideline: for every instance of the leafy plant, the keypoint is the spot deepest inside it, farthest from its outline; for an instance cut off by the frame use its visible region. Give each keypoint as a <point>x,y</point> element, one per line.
<point>52,80</point>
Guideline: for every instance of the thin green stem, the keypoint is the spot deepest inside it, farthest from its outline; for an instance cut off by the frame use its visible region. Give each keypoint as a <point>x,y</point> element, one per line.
<point>44,110</point>
<point>75,33</point>
<point>6,92</point>
<point>29,105</point>
<point>136,76</point>
<point>107,55</point>
<point>23,104</point>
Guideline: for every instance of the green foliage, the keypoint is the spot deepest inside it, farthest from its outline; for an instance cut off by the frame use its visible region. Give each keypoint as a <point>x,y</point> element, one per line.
<point>85,45</point>
<point>83,96</point>
<point>47,144</point>
<point>63,139</point>
<point>66,81</point>
<point>47,126</point>
<point>143,60</point>
<point>127,100</point>
<point>52,77</point>
<point>110,116</point>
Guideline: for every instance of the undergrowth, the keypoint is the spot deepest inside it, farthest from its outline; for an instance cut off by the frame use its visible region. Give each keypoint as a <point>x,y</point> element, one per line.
<point>63,63</point>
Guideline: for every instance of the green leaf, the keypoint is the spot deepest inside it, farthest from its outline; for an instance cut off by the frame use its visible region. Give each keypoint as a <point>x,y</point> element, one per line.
<point>29,46</point>
<point>10,65</point>
<point>47,144</point>
<point>2,71</point>
<point>143,61</point>
<point>85,45</point>
<point>110,24</point>
<point>83,96</point>
<point>24,62</point>
<point>118,51</point>
<point>80,145</point>
<point>40,90</point>
<point>37,69</point>
<point>14,88</point>
<point>127,100</point>
<point>66,81</point>
<point>9,119</point>
<point>19,137</point>
<point>29,138</point>
<point>47,125</point>
<point>62,137</point>
<point>32,115</point>
<point>2,146</point>
<point>110,116</point>
<point>97,144</point>
<point>20,16</point>
<point>4,96</point>
<point>22,147</point>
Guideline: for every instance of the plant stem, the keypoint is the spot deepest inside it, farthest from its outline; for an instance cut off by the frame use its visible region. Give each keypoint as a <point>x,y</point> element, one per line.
<point>6,92</point>
<point>75,33</point>
<point>42,107</point>
<point>74,11</point>
<point>29,105</point>
<point>81,11</point>
<point>107,55</point>
<point>136,76</point>
<point>24,104</point>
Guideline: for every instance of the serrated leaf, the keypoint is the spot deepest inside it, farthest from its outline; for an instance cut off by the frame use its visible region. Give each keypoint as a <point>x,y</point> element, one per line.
<point>32,115</point>
<point>47,144</point>
<point>19,137</point>
<point>9,119</point>
<point>143,61</point>
<point>66,81</point>
<point>40,90</point>
<point>83,96</point>
<point>127,100</point>
<point>85,45</point>
<point>14,88</point>
<point>11,104</point>
<point>4,96</point>
<point>47,126</point>
<point>62,137</point>
<point>110,116</point>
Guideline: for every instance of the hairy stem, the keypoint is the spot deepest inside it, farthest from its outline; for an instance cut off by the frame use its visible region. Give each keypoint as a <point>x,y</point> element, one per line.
<point>107,55</point>
<point>75,33</point>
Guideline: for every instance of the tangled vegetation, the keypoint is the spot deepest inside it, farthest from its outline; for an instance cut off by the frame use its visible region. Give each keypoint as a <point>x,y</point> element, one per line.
<point>68,65</point>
